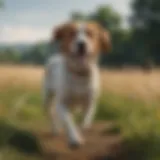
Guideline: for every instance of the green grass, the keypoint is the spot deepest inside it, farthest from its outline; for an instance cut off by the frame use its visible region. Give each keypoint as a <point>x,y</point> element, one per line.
<point>139,124</point>
<point>17,139</point>
<point>136,120</point>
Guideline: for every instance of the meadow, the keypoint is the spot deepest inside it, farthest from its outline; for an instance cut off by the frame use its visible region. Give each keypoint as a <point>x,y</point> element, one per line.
<point>130,99</point>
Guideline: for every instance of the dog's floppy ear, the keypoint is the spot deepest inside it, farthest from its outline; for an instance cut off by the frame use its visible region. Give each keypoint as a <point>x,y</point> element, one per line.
<point>105,40</point>
<point>57,34</point>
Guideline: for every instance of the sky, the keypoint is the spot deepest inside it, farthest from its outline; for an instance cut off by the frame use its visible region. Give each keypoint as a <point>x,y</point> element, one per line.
<point>29,21</point>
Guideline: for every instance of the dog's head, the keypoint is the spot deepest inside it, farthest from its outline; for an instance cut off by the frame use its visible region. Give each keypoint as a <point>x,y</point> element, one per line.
<point>82,42</point>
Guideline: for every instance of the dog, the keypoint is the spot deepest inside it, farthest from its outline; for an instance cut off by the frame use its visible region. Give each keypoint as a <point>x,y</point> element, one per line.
<point>71,77</point>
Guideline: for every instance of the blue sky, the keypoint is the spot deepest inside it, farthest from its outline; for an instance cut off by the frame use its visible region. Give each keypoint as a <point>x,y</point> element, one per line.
<point>32,20</point>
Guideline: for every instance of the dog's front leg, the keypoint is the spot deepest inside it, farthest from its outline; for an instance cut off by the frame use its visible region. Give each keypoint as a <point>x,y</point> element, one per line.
<point>75,139</point>
<point>51,109</point>
<point>55,119</point>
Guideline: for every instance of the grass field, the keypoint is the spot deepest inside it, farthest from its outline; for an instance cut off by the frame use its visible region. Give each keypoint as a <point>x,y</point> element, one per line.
<point>130,99</point>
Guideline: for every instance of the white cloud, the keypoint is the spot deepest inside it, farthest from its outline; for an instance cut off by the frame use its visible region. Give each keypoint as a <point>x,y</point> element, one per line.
<point>23,34</point>
<point>32,21</point>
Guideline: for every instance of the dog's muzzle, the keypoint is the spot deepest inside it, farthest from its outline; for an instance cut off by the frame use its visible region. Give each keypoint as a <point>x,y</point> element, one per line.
<point>81,49</point>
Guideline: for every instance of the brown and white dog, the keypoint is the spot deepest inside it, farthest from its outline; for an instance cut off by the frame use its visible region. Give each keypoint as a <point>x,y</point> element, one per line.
<point>72,76</point>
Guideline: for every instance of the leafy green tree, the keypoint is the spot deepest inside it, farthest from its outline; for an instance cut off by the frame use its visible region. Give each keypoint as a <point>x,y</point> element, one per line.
<point>78,16</point>
<point>37,54</point>
<point>9,55</point>
<point>107,17</point>
<point>146,24</point>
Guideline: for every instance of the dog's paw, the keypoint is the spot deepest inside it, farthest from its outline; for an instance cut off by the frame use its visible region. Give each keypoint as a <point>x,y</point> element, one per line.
<point>76,144</point>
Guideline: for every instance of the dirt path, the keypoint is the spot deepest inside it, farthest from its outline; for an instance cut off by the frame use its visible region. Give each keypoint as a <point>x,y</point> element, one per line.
<point>100,145</point>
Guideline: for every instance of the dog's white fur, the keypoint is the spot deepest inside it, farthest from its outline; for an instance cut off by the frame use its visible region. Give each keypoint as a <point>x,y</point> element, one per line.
<point>70,90</point>
<point>66,87</point>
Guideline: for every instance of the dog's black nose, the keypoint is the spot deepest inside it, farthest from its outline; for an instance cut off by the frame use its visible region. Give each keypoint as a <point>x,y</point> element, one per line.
<point>81,48</point>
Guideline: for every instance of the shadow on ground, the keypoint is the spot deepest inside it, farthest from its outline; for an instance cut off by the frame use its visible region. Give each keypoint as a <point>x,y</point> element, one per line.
<point>21,140</point>
<point>142,148</point>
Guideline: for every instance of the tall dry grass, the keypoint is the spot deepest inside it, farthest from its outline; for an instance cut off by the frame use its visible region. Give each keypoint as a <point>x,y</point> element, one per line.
<point>26,76</point>
<point>133,83</point>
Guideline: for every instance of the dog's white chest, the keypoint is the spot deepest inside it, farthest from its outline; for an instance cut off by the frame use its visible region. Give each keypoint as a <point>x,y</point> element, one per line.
<point>68,87</point>
<point>79,86</point>
<point>79,90</point>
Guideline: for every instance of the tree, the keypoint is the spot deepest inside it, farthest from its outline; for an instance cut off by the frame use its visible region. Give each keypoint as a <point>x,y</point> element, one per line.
<point>78,16</point>
<point>9,55</point>
<point>104,15</point>
<point>37,54</point>
<point>107,17</point>
<point>146,24</point>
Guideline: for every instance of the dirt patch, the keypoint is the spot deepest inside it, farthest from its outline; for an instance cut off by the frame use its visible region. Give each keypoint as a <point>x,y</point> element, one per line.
<point>99,145</point>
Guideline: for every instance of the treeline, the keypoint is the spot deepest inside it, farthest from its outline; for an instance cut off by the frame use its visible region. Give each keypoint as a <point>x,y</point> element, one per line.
<point>136,45</point>
<point>25,54</point>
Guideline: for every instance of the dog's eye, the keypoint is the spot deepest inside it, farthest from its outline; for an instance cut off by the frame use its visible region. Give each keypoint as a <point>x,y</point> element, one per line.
<point>72,33</point>
<point>89,33</point>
